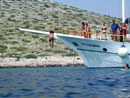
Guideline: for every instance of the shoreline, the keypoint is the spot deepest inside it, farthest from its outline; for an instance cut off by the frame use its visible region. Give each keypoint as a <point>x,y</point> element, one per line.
<point>48,61</point>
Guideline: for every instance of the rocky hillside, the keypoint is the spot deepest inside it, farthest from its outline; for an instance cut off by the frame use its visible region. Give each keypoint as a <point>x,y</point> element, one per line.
<point>40,15</point>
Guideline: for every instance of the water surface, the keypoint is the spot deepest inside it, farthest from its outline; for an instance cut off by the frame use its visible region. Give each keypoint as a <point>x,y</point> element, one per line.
<point>71,82</point>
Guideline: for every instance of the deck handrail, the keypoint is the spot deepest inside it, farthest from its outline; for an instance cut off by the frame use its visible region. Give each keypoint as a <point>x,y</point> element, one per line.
<point>81,33</point>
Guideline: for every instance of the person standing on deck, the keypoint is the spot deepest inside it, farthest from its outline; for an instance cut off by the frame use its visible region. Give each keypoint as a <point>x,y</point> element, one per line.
<point>104,28</point>
<point>114,28</point>
<point>51,36</point>
<point>123,31</point>
<point>87,29</point>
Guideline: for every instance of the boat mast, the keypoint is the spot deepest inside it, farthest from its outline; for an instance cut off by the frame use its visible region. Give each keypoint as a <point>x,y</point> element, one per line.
<point>123,11</point>
<point>123,15</point>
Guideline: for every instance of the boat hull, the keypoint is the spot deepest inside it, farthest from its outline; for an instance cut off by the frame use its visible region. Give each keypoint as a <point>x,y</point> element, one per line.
<point>96,53</point>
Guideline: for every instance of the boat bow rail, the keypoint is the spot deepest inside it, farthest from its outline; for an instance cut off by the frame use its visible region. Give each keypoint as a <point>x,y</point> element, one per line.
<point>33,31</point>
<point>95,35</point>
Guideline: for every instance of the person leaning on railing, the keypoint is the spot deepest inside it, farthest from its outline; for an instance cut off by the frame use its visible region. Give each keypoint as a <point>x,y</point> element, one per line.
<point>82,28</point>
<point>123,31</point>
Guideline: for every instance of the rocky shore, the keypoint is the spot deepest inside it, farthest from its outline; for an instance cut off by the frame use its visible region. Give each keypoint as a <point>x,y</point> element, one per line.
<point>49,61</point>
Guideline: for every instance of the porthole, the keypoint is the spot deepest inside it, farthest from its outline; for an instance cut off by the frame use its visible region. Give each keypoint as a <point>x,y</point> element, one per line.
<point>104,49</point>
<point>75,44</point>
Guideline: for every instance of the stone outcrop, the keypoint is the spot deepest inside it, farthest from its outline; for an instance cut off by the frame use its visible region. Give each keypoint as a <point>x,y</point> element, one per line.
<point>50,61</point>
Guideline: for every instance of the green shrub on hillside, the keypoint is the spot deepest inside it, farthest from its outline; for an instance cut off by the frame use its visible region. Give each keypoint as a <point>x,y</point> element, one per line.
<point>12,16</point>
<point>65,8</point>
<point>14,42</point>
<point>71,54</point>
<point>14,55</point>
<point>11,38</point>
<point>21,32</point>
<point>26,41</point>
<point>11,42</point>
<point>2,37</point>
<point>67,48</point>
<point>35,36</point>
<point>43,40</point>
<point>55,16</point>
<point>13,48</point>
<point>47,6</point>
<point>21,48</point>
<point>43,55</point>
<point>29,56</point>
<point>10,30</point>
<point>10,34</point>
<point>49,23</point>
<point>48,50</point>
<point>59,51</point>
<point>26,24</point>
<point>35,52</point>
<point>3,48</point>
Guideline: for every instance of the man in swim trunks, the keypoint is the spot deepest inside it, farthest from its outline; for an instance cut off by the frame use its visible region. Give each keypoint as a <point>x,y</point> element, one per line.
<point>114,28</point>
<point>87,29</point>
<point>51,36</point>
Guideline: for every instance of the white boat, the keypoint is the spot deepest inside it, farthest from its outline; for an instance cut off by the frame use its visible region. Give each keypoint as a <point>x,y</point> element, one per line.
<point>95,52</point>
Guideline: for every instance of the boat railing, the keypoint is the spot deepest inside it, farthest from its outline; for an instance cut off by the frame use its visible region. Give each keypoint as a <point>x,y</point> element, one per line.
<point>94,35</point>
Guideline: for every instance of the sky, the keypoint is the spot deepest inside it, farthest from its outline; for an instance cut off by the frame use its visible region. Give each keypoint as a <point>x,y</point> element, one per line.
<point>107,7</point>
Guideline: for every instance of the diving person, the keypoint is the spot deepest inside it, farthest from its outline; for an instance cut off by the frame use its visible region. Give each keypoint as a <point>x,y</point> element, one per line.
<point>51,36</point>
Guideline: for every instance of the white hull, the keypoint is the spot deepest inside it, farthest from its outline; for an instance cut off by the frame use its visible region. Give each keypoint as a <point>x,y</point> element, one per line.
<point>92,51</point>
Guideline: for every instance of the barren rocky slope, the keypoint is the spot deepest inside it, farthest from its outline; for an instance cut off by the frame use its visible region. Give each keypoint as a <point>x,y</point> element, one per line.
<point>40,15</point>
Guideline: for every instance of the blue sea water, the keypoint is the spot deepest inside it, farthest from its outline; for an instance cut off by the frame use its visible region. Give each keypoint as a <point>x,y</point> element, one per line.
<point>71,82</point>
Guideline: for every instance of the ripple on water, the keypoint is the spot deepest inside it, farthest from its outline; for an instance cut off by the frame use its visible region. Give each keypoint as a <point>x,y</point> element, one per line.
<point>64,83</point>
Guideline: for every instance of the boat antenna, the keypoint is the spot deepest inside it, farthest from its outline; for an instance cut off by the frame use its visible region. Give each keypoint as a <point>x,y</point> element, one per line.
<point>128,18</point>
<point>123,11</point>
<point>123,16</point>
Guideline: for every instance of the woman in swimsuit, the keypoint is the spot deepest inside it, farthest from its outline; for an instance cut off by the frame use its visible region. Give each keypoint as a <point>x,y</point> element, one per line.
<point>51,36</point>
<point>104,28</point>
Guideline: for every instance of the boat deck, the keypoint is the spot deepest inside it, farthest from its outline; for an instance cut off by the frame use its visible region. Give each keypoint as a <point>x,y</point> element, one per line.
<point>96,36</point>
